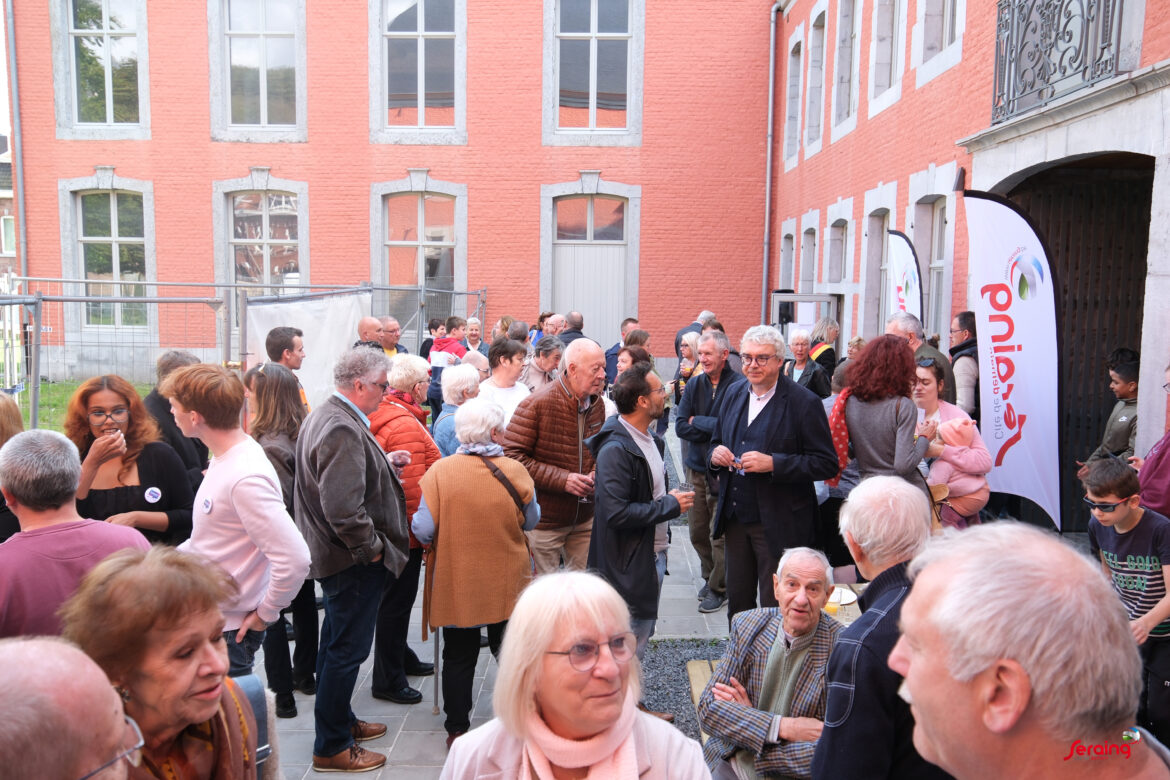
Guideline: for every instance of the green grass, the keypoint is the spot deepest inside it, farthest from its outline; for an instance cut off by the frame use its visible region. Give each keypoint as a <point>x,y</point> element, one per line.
<point>55,400</point>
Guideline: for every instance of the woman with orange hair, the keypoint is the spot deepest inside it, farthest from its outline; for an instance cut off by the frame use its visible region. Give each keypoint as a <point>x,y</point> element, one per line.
<point>128,476</point>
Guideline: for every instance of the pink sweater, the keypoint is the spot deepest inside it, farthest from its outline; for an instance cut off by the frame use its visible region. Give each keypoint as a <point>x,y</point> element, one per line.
<point>962,469</point>
<point>241,524</point>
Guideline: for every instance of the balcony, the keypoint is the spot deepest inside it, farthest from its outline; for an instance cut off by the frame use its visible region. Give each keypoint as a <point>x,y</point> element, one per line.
<point>1046,49</point>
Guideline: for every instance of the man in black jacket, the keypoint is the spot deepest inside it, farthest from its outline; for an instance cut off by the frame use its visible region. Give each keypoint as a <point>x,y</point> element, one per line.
<point>632,502</point>
<point>191,451</point>
<point>698,411</point>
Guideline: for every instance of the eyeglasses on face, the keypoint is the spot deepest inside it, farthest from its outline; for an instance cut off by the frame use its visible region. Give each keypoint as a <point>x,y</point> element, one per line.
<point>757,360</point>
<point>1105,507</point>
<point>121,414</point>
<point>132,754</point>
<point>583,655</point>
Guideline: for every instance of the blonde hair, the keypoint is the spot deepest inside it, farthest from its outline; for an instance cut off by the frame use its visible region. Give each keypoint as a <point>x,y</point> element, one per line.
<point>550,606</point>
<point>11,421</point>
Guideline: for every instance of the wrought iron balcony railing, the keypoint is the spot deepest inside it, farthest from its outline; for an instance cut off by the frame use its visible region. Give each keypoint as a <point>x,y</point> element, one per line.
<point>1046,49</point>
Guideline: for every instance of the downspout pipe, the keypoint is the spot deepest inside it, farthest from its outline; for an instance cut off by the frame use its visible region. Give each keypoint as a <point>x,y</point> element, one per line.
<point>764,287</point>
<point>17,136</point>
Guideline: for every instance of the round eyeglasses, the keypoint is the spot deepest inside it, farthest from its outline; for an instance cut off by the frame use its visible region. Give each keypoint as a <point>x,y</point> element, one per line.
<point>583,655</point>
<point>132,754</point>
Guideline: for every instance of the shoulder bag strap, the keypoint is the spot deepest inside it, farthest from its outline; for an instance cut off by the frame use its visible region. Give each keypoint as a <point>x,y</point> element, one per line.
<point>495,470</point>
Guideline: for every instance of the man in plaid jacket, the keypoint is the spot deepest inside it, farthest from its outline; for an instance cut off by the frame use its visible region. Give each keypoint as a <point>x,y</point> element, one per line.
<point>765,704</point>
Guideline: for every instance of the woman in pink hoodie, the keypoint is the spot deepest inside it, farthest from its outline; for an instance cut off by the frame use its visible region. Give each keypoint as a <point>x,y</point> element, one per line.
<point>959,458</point>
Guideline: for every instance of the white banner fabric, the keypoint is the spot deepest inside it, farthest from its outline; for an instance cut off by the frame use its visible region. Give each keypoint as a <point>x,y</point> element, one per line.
<point>1015,316</point>
<point>330,326</point>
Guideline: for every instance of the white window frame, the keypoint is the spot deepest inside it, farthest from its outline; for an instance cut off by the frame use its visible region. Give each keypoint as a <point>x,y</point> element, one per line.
<point>64,84</point>
<point>810,226</point>
<point>631,134</point>
<point>787,277</point>
<point>220,89</point>
<point>258,180</point>
<point>5,248</point>
<point>793,98</point>
<point>69,193</point>
<point>841,125</point>
<point>880,101</point>
<point>417,181</point>
<point>814,115</point>
<point>591,183</point>
<point>928,190</point>
<point>880,209</point>
<point>931,58</point>
<point>383,133</point>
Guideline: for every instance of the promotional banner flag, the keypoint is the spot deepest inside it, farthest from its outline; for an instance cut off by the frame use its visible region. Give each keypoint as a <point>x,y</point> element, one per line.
<point>1015,317</point>
<point>903,287</point>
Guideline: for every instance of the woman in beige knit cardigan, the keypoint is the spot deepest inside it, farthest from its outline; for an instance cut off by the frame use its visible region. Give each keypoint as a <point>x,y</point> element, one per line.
<point>476,505</point>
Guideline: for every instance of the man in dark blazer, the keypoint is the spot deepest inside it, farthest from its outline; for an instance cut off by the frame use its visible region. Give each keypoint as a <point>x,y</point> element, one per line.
<point>351,509</point>
<point>770,444</point>
<point>753,724</point>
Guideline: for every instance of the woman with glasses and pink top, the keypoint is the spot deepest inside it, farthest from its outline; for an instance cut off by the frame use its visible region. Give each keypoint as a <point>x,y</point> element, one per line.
<point>566,694</point>
<point>128,476</point>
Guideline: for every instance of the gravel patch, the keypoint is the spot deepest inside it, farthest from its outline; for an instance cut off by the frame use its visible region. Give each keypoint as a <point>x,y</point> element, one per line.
<point>665,685</point>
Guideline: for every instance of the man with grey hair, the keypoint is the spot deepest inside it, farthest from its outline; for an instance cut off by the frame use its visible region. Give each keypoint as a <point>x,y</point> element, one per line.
<point>391,337</point>
<point>909,327</point>
<point>351,509</point>
<point>191,451</point>
<point>555,325</point>
<point>1019,662</point>
<point>885,522</point>
<point>547,434</point>
<point>41,566</point>
<point>473,336</point>
<point>698,411</point>
<point>764,706</point>
<point>770,443</point>
<point>61,716</point>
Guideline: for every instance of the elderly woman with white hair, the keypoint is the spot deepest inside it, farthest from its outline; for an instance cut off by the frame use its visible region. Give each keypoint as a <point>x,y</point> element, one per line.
<point>460,384</point>
<point>803,370</point>
<point>475,508</point>
<point>566,694</point>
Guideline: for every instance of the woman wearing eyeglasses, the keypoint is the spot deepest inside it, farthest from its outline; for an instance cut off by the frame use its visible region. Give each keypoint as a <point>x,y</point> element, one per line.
<point>151,621</point>
<point>128,476</point>
<point>566,694</point>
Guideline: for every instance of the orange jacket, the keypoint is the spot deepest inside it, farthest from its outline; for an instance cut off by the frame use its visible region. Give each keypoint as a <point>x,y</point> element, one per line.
<point>397,425</point>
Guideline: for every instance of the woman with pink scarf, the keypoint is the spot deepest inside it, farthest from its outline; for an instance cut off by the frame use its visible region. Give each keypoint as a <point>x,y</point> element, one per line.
<point>566,695</point>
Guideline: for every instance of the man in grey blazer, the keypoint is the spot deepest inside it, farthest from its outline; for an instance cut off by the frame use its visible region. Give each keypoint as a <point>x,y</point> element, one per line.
<point>351,510</point>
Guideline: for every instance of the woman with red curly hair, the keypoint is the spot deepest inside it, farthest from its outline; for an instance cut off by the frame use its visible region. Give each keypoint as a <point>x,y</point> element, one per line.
<point>880,416</point>
<point>128,476</point>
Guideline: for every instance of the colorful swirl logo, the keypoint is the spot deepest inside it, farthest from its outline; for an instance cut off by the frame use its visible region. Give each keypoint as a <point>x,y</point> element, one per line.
<point>1027,275</point>
<point>1131,735</point>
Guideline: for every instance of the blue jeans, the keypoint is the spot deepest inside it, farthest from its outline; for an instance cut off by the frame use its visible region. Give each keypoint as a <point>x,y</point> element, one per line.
<point>241,654</point>
<point>351,610</point>
<point>644,629</point>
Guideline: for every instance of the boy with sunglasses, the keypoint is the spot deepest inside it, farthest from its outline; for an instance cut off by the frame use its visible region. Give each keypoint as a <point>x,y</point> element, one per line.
<point>1133,544</point>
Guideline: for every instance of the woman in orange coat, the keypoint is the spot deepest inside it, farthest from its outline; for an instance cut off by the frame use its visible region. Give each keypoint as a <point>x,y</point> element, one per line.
<point>399,424</point>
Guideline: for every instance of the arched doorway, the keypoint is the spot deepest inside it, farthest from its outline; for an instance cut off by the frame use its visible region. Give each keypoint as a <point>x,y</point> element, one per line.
<point>1094,215</point>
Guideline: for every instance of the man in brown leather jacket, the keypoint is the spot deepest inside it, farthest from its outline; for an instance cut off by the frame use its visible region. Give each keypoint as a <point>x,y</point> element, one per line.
<point>547,434</point>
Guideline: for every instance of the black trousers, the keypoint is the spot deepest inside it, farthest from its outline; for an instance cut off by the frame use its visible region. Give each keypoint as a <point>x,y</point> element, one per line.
<point>1154,706</point>
<point>460,654</point>
<point>750,566</point>
<point>391,653</point>
<point>283,675</point>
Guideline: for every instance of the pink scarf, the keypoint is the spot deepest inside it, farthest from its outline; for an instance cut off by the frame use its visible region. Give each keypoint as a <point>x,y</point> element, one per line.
<point>610,754</point>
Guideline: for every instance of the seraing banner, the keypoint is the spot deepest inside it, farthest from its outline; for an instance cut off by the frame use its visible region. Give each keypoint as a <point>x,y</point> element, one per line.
<point>1015,317</point>
<point>903,285</point>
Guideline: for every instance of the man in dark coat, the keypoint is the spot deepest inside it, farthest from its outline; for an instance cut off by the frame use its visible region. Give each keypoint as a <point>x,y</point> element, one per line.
<point>771,443</point>
<point>192,452</point>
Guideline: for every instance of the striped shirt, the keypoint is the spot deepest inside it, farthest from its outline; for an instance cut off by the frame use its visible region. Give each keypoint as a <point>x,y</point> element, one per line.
<point>1135,561</point>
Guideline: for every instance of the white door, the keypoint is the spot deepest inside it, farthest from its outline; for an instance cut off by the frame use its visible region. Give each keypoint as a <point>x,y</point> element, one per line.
<point>590,254</point>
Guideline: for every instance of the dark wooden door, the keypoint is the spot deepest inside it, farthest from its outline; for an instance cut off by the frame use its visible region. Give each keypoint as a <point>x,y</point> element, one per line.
<point>1094,216</point>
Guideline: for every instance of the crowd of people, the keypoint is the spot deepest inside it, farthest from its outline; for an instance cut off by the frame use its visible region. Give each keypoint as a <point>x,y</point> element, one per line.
<point>157,545</point>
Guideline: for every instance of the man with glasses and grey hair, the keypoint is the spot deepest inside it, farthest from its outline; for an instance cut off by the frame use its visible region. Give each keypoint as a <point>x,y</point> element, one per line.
<point>41,566</point>
<point>351,509</point>
<point>1019,661</point>
<point>765,704</point>
<point>61,716</point>
<point>909,327</point>
<point>770,443</point>
<point>868,729</point>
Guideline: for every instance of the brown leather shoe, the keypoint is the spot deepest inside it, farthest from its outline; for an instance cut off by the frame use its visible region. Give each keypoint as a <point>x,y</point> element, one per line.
<point>666,716</point>
<point>354,758</point>
<point>364,732</point>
